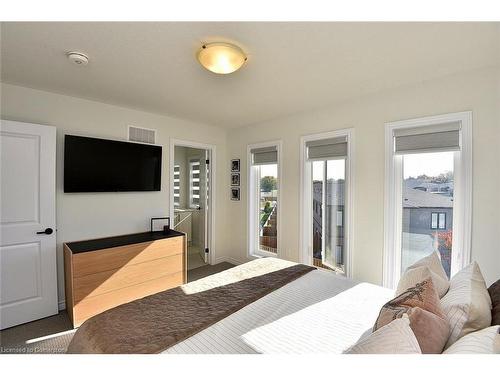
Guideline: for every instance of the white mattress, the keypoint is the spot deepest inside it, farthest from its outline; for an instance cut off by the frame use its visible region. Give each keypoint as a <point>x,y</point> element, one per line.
<point>318,313</point>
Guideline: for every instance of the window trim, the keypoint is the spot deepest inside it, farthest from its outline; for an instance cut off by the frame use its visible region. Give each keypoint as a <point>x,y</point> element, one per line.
<point>305,232</point>
<point>462,218</point>
<point>254,251</point>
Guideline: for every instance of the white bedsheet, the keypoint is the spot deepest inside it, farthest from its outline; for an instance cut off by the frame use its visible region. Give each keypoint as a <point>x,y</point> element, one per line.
<point>319,312</point>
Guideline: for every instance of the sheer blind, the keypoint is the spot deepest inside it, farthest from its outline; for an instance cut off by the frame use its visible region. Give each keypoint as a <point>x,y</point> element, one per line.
<point>331,148</point>
<point>177,185</point>
<point>432,138</point>
<point>194,166</point>
<point>264,155</point>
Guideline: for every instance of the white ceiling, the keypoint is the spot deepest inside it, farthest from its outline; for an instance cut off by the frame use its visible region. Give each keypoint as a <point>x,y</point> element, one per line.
<point>292,67</point>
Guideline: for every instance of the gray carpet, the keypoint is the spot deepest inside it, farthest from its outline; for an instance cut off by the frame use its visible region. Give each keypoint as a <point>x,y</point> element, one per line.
<point>52,335</point>
<point>200,272</point>
<point>48,336</point>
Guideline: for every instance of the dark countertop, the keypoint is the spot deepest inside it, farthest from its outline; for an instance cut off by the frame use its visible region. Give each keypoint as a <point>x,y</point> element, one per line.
<point>127,239</point>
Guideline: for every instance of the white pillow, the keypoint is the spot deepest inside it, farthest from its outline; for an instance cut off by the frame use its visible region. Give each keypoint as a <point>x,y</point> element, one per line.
<point>467,305</point>
<point>393,338</point>
<point>485,341</point>
<point>421,270</point>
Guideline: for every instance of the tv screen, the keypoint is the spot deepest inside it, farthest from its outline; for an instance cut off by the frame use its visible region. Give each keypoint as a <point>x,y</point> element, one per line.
<point>99,165</point>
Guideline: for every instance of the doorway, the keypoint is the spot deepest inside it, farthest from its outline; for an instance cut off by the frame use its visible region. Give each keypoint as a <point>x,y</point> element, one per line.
<point>191,195</point>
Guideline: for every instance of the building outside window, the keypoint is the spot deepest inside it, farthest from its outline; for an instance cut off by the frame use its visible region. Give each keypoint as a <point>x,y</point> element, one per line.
<point>328,193</point>
<point>424,227</point>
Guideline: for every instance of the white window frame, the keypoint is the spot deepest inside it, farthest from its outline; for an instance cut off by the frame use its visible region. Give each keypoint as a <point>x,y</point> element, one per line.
<point>462,205</point>
<point>253,230</point>
<point>306,209</point>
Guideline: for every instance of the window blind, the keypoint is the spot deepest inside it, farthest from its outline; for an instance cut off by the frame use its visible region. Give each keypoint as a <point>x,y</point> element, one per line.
<point>177,185</point>
<point>195,182</point>
<point>432,138</point>
<point>331,148</point>
<point>264,155</point>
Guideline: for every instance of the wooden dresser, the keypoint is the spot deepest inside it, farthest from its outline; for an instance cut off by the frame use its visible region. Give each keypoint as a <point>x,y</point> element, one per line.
<point>107,272</point>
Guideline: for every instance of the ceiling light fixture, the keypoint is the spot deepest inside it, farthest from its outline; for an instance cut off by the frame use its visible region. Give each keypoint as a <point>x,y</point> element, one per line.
<point>221,58</point>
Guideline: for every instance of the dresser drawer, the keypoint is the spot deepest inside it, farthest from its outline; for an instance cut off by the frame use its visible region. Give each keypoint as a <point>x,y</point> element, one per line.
<point>91,306</point>
<point>103,282</point>
<point>117,257</point>
<point>103,273</point>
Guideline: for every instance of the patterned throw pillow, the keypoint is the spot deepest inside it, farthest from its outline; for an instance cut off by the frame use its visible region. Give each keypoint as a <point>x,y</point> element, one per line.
<point>412,276</point>
<point>430,266</point>
<point>394,338</point>
<point>494,291</point>
<point>467,305</point>
<point>485,341</point>
<point>422,306</point>
<point>421,295</point>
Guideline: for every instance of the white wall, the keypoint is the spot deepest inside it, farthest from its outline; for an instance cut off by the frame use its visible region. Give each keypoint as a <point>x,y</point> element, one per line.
<point>477,91</point>
<point>90,215</point>
<point>82,216</point>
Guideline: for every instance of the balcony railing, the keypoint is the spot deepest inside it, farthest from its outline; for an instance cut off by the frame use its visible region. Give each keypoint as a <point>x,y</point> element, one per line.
<point>268,240</point>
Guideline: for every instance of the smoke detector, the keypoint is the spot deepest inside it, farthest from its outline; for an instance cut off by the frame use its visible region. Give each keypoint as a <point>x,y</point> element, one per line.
<point>78,58</point>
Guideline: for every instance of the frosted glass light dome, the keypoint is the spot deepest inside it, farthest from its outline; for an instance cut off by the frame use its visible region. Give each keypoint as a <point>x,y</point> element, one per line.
<point>221,58</point>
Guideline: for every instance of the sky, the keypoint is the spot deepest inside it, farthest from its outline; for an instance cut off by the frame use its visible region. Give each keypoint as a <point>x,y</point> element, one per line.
<point>335,169</point>
<point>269,170</point>
<point>431,164</point>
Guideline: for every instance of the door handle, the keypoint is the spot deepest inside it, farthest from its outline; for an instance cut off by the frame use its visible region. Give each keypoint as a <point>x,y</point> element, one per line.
<point>46,231</point>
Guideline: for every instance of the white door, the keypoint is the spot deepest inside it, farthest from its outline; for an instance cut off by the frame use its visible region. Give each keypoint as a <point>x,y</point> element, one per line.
<point>28,276</point>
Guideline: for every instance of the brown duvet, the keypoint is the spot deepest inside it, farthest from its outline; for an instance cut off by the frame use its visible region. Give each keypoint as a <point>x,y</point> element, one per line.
<point>154,323</point>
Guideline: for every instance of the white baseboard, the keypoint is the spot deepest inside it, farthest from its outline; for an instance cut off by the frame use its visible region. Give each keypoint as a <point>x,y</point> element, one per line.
<point>229,260</point>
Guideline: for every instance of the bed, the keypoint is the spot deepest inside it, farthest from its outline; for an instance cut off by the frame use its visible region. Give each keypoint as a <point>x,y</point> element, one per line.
<point>320,312</point>
<point>312,311</point>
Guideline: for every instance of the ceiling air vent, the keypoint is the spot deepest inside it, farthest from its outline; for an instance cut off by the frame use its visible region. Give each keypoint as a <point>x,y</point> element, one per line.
<point>142,135</point>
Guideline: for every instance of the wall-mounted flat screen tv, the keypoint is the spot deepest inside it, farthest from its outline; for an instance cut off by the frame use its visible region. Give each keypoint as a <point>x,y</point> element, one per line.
<point>99,165</point>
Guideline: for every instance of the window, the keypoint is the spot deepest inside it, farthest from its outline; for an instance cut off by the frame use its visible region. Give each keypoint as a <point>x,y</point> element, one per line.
<point>326,198</point>
<point>194,183</point>
<point>428,193</point>
<point>438,220</point>
<point>264,186</point>
<point>177,185</point>
<point>434,220</point>
<point>423,229</point>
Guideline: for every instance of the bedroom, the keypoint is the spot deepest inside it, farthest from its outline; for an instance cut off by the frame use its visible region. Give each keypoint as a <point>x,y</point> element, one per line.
<point>248,187</point>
